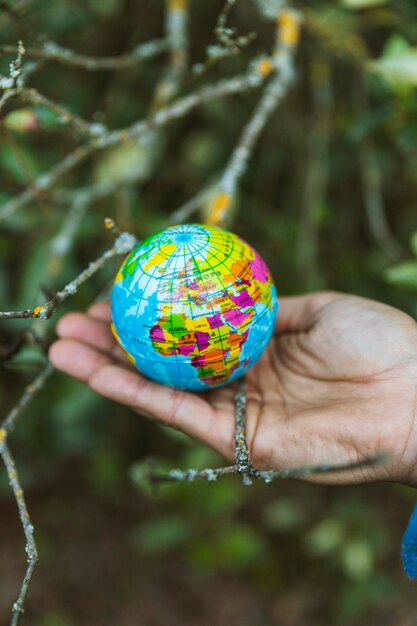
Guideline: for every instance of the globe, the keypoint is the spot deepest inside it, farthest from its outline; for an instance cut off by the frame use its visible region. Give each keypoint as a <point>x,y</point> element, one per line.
<point>194,307</point>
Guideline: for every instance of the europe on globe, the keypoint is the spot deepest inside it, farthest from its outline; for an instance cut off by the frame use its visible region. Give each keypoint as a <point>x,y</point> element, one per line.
<point>194,307</point>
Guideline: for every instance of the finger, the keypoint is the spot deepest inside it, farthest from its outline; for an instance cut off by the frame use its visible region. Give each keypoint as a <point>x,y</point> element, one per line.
<point>87,329</point>
<point>92,332</point>
<point>184,411</point>
<point>76,359</point>
<point>299,313</point>
<point>101,311</point>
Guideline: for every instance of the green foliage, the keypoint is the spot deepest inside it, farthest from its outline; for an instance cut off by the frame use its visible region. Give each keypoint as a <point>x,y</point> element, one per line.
<point>362,4</point>
<point>161,535</point>
<point>404,274</point>
<point>302,203</point>
<point>54,619</point>
<point>397,65</point>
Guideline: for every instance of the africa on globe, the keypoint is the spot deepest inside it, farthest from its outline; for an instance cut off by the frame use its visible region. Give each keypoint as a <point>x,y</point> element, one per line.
<point>194,307</point>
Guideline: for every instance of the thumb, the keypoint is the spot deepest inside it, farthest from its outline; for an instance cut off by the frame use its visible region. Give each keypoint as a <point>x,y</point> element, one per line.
<point>300,313</point>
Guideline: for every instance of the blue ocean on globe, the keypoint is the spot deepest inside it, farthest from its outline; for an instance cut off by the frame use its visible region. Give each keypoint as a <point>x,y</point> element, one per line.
<point>194,307</point>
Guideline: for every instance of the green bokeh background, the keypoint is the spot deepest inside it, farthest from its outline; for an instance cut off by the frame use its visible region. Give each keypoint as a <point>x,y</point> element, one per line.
<point>345,137</point>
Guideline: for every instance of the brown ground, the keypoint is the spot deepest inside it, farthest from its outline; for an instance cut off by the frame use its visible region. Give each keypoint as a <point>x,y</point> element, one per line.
<point>89,575</point>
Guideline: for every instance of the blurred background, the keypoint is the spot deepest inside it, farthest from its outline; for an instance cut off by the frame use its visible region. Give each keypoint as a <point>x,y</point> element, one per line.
<point>329,200</point>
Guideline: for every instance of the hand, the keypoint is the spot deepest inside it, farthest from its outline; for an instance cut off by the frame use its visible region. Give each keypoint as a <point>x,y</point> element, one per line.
<point>338,382</point>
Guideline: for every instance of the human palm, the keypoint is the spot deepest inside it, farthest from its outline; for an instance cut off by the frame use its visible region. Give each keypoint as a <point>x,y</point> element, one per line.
<point>338,382</point>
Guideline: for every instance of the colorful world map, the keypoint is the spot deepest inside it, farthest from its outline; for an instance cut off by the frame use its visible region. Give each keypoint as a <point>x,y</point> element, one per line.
<point>194,307</point>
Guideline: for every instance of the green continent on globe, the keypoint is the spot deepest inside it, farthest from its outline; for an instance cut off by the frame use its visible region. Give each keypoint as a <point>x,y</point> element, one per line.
<point>194,306</point>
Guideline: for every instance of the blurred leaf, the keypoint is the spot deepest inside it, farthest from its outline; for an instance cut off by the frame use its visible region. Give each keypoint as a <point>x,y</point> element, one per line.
<point>397,64</point>
<point>357,559</point>
<point>201,150</point>
<point>362,596</point>
<point>396,44</point>
<point>139,474</point>
<point>362,4</point>
<point>367,123</point>
<point>18,161</point>
<point>325,537</point>
<point>234,548</point>
<point>161,535</point>
<point>403,275</point>
<point>54,619</point>
<point>22,120</point>
<point>284,514</point>
<point>106,471</point>
<point>129,161</point>
<point>104,8</point>
<point>28,357</point>
<point>33,276</point>
<point>200,457</point>
<point>75,415</point>
<point>413,243</point>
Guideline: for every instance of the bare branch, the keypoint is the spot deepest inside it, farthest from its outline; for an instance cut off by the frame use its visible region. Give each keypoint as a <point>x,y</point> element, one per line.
<point>373,198</point>
<point>6,427</point>
<point>282,64</point>
<point>176,33</point>
<point>179,108</point>
<point>28,393</point>
<point>190,206</point>
<point>14,82</point>
<point>30,548</point>
<point>304,472</point>
<point>123,244</point>
<point>32,96</point>
<point>53,52</point>
<point>242,457</point>
<point>145,472</point>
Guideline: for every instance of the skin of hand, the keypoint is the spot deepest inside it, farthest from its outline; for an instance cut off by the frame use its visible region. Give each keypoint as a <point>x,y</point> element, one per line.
<point>338,382</point>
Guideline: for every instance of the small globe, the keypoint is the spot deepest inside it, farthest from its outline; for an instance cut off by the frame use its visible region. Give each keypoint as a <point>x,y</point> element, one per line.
<point>194,307</point>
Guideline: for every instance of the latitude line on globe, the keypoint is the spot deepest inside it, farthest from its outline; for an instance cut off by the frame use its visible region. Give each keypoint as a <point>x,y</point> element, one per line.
<point>162,358</point>
<point>212,268</point>
<point>198,271</point>
<point>208,300</point>
<point>137,317</point>
<point>248,273</point>
<point>175,274</point>
<point>219,276</point>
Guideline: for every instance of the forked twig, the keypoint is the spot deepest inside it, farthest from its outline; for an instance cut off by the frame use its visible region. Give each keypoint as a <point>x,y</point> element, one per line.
<point>243,464</point>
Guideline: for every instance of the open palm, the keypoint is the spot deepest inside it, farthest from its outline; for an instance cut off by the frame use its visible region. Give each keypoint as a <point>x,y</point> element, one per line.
<point>337,382</point>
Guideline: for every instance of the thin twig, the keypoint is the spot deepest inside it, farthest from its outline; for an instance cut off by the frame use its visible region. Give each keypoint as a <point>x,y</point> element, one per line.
<point>61,243</point>
<point>31,550</point>
<point>179,108</point>
<point>243,464</point>
<point>190,206</point>
<point>176,33</point>
<point>6,427</point>
<point>242,457</point>
<point>32,96</point>
<point>372,180</point>
<point>315,173</point>
<point>53,52</point>
<point>282,64</point>
<point>145,472</point>
<point>373,197</point>
<point>325,468</point>
<point>28,393</point>
<point>15,81</point>
<point>123,244</point>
